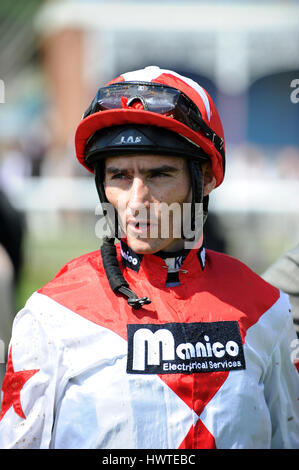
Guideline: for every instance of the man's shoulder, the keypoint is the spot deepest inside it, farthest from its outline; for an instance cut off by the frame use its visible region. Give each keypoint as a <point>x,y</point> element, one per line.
<point>236,284</point>
<point>235,274</point>
<point>231,264</point>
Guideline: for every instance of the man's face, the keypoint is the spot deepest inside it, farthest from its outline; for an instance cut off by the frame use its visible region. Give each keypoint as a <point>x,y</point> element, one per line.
<point>140,188</point>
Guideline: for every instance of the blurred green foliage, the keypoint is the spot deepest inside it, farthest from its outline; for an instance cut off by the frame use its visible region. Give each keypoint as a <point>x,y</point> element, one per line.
<point>18,45</point>
<point>45,256</point>
<point>10,10</point>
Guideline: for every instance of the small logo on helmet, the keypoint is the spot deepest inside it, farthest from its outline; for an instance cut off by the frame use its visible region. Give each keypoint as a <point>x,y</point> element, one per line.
<point>131,139</point>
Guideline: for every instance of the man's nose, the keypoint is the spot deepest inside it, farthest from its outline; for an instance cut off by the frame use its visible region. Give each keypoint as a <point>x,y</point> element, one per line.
<point>138,195</point>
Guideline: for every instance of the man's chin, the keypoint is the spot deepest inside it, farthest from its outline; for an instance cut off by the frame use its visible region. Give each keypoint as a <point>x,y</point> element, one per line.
<point>144,246</point>
<point>147,246</point>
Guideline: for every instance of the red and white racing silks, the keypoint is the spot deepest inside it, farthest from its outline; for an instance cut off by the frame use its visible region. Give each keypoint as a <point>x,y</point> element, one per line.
<point>207,364</point>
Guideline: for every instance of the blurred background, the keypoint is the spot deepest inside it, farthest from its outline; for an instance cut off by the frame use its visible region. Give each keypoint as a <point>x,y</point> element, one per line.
<point>54,55</point>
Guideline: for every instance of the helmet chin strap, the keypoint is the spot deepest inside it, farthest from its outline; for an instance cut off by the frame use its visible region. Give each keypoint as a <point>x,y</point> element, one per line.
<point>116,280</point>
<point>197,184</point>
<point>108,250</point>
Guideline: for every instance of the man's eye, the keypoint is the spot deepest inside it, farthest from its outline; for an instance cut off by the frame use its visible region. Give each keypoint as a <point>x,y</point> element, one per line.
<point>117,176</point>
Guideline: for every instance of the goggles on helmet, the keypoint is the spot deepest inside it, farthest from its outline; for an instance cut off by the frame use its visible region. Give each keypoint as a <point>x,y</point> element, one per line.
<point>157,98</point>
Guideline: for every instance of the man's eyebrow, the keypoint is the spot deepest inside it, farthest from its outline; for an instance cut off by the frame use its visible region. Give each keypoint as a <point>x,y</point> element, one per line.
<point>111,170</point>
<point>162,169</point>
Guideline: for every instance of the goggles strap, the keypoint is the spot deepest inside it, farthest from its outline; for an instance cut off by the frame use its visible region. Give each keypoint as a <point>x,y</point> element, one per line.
<point>208,132</point>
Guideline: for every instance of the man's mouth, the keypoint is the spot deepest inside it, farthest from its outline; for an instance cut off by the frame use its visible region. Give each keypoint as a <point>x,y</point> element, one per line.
<point>139,227</point>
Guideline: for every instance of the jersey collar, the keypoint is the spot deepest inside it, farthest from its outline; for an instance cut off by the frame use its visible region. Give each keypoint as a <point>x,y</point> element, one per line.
<point>162,269</point>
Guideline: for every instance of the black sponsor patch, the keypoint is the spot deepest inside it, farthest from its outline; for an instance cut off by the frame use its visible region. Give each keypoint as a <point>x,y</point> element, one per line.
<point>129,257</point>
<point>184,348</point>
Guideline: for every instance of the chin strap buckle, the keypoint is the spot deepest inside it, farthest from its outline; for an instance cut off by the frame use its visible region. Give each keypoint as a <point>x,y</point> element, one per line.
<point>138,303</point>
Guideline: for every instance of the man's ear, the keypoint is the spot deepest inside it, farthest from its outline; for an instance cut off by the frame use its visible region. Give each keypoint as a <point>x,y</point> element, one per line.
<point>209,179</point>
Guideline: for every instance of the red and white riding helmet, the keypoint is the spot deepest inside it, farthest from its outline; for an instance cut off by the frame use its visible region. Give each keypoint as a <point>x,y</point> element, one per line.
<point>207,133</point>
